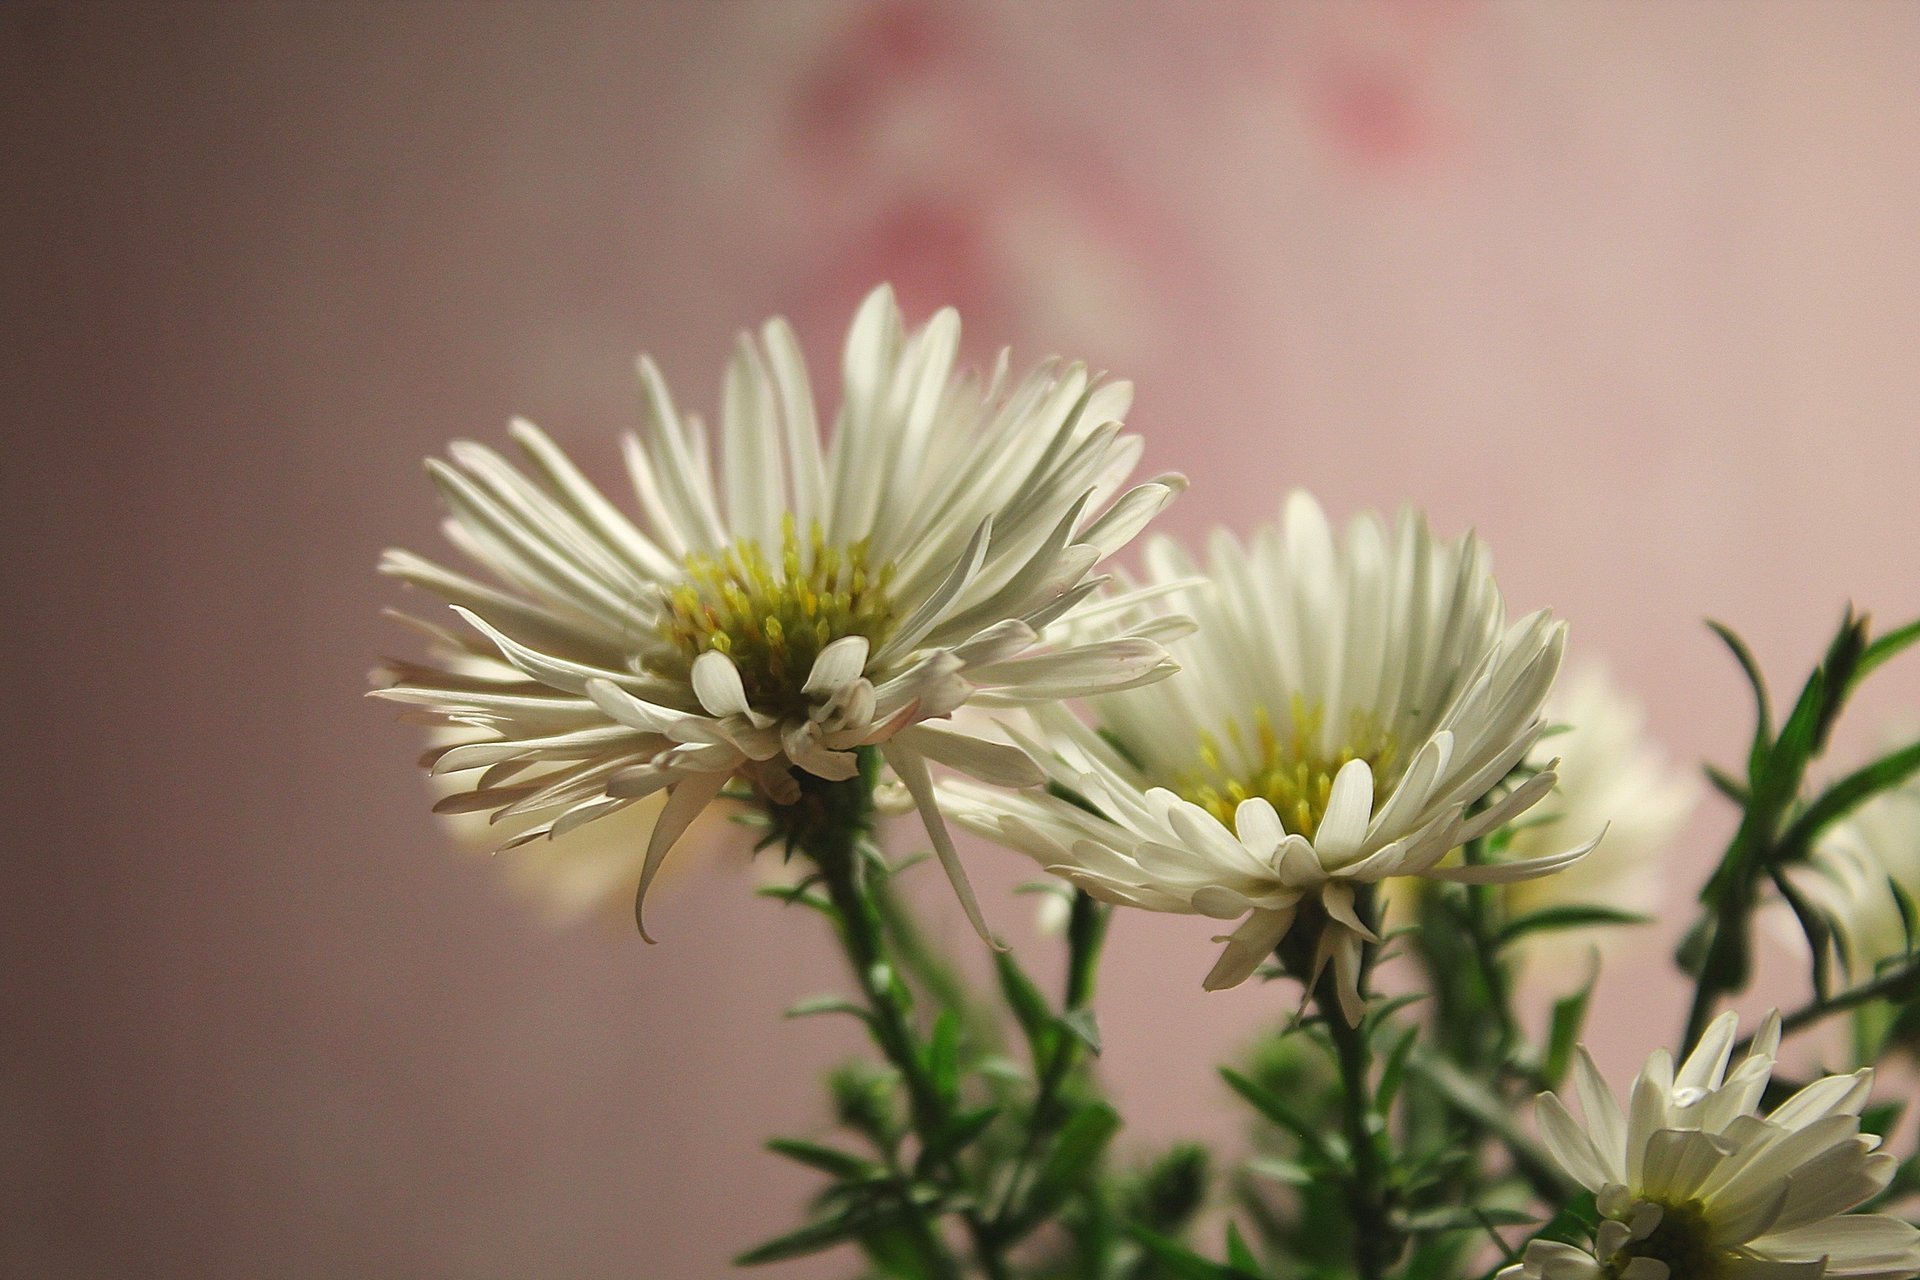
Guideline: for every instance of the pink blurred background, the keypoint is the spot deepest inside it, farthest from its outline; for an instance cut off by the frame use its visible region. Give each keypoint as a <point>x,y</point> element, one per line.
<point>1632,288</point>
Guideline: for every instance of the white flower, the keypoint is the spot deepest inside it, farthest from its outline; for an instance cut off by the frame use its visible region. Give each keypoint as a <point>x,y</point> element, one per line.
<point>1338,711</point>
<point>1854,869</point>
<point>1693,1184</point>
<point>811,599</point>
<point>1610,776</point>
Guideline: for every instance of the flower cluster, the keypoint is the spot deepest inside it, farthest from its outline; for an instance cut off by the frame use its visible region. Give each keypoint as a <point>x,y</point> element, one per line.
<point>1332,739</point>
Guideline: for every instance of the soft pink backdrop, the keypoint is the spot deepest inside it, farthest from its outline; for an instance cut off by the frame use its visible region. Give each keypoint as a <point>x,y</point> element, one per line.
<point>1632,288</point>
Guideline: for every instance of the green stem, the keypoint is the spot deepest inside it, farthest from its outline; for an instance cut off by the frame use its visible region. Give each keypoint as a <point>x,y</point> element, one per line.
<point>1897,984</point>
<point>1480,908</point>
<point>1368,1199</point>
<point>1086,930</point>
<point>833,835</point>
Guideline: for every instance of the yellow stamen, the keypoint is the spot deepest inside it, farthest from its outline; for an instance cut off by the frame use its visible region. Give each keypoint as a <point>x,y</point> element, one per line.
<point>1291,770</point>
<point>774,621</point>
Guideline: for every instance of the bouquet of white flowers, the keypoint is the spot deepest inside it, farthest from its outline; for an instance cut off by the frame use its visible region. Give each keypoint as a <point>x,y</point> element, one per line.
<point>1332,740</point>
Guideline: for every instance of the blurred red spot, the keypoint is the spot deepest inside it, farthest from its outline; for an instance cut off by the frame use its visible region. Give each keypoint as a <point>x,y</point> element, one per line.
<point>1371,115</point>
<point>893,42</point>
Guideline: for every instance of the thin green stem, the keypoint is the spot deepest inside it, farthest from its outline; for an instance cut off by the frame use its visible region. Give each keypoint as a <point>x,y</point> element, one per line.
<point>1480,908</point>
<point>1368,1197</point>
<point>1896,984</point>
<point>1086,930</point>
<point>836,852</point>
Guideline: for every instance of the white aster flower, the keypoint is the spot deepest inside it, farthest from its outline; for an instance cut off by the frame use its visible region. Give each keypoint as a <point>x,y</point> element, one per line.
<point>1854,872</point>
<point>808,600</point>
<point>1693,1184</point>
<point>1339,712</point>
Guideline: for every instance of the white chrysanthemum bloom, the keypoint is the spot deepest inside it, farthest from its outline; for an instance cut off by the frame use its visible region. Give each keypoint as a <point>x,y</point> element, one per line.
<point>1339,714</point>
<point>1854,871</point>
<point>1692,1184</point>
<point>811,599</point>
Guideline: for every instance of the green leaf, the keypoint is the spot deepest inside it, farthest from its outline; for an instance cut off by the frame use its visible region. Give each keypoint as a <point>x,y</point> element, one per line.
<point>1570,916</point>
<point>1082,1140</point>
<point>1762,704</point>
<point>1787,762</point>
<point>1909,913</point>
<point>816,1236</point>
<point>957,1134</point>
<point>800,895</point>
<point>1563,1032</point>
<point>1287,1172</point>
<point>1170,1190</point>
<point>1884,648</point>
<point>1270,1105</point>
<point>1379,1011</point>
<point>1395,1071</point>
<point>895,1253</point>
<point>843,1165</point>
<point>1239,1256</point>
<point>1726,784</point>
<point>814,1005</point>
<point>1840,799</point>
<point>1816,929</point>
<point>943,1055</point>
<point>1081,1023</point>
<point>1840,672</point>
<point>1181,1263</point>
<point>1028,1005</point>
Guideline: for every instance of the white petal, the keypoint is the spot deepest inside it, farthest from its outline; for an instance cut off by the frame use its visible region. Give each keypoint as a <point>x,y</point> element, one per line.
<point>716,682</point>
<point>685,802</point>
<point>1345,824</point>
<point>840,663</point>
<point>999,763</point>
<point>912,770</point>
<point>1247,948</point>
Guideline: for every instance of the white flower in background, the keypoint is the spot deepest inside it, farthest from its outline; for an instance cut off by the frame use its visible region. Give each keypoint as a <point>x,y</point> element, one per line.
<point>1338,710</point>
<point>808,600</point>
<point>1854,869</point>
<point>1693,1184</point>
<point>1611,776</point>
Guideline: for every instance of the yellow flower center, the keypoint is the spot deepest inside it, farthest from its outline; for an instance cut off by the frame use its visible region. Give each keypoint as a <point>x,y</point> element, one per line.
<point>1683,1241</point>
<point>774,616</point>
<point>1290,770</point>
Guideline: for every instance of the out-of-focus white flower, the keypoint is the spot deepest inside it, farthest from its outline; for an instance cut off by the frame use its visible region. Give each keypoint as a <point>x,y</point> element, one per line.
<point>1693,1184</point>
<point>814,598</point>
<point>1611,776</point>
<point>1338,710</point>
<point>1854,870</point>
